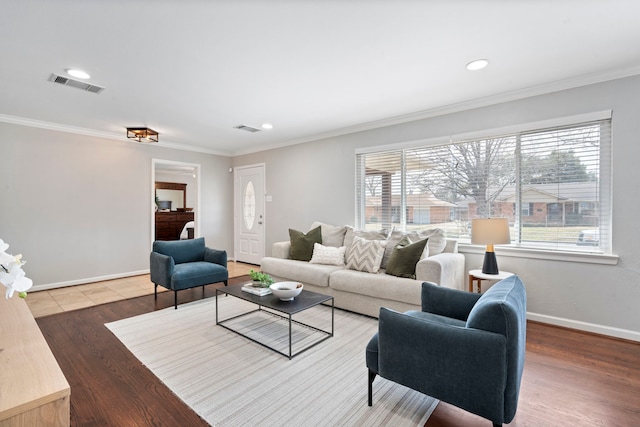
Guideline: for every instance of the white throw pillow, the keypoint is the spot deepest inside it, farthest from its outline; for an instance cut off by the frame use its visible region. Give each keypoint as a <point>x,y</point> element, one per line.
<point>327,255</point>
<point>365,255</point>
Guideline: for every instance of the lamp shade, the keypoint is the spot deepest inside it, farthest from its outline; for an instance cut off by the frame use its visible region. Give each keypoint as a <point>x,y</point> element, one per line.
<point>490,231</point>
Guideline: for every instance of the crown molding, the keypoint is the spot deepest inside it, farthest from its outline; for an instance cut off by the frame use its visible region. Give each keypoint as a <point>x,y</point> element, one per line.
<point>22,121</point>
<point>515,95</point>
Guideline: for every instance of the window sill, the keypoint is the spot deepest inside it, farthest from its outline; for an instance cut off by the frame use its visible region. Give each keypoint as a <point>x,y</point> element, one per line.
<point>566,256</point>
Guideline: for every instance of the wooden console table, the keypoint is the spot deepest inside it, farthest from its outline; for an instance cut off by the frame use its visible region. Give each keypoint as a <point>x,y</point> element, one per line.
<point>33,389</point>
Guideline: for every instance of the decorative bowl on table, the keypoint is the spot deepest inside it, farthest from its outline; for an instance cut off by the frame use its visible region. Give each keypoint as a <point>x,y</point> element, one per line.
<point>286,291</point>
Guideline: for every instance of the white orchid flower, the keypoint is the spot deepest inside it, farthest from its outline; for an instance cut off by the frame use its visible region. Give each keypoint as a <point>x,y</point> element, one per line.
<point>11,273</point>
<point>15,280</point>
<point>5,258</point>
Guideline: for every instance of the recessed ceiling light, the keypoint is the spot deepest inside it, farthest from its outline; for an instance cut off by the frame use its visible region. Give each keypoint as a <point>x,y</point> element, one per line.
<point>478,64</point>
<point>267,126</point>
<point>77,73</point>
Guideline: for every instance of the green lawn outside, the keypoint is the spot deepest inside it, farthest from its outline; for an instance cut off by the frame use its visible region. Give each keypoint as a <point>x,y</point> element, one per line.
<point>529,234</point>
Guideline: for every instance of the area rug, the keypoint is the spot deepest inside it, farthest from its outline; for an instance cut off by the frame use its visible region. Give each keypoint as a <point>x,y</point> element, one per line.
<point>231,381</point>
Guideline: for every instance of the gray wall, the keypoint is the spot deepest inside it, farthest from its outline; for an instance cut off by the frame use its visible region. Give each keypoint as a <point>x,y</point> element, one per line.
<point>315,181</point>
<point>79,208</point>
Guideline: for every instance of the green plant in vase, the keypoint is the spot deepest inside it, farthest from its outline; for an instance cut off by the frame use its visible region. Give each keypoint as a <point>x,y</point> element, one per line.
<point>260,279</point>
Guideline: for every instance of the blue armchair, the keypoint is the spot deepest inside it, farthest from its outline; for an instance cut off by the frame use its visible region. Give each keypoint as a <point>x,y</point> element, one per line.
<point>184,264</point>
<point>464,349</point>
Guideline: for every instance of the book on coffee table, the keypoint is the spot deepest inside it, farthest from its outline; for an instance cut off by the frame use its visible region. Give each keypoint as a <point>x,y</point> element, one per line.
<point>249,288</point>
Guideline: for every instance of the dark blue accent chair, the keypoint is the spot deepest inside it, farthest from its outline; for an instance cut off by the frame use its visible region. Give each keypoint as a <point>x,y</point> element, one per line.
<point>464,349</point>
<point>184,264</point>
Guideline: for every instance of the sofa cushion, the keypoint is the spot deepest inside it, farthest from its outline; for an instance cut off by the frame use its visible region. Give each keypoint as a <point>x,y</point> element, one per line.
<point>302,244</point>
<point>404,259</point>
<point>436,244</point>
<point>298,271</point>
<point>382,286</point>
<point>181,250</point>
<point>365,255</point>
<point>190,274</point>
<point>332,235</point>
<point>437,318</point>
<point>437,241</point>
<point>327,255</point>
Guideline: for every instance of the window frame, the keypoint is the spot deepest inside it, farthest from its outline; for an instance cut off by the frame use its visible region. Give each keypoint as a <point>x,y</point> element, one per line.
<point>604,184</point>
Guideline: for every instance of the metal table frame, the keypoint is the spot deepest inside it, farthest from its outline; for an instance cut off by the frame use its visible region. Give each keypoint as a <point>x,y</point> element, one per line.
<point>304,301</point>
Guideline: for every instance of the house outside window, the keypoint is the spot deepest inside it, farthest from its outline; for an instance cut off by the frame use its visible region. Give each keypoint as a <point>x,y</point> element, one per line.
<point>552,183</point>
<point>526,209</point>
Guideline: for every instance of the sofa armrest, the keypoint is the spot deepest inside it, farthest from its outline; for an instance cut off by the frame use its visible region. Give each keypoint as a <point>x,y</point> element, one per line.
<point>444,269</point>
<point>161,268</point>
<point>447,302</point>
<point>215,256</point>
<point>281,250</point>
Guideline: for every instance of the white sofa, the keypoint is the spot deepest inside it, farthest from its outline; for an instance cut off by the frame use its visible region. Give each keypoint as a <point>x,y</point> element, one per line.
<point>364,292</point>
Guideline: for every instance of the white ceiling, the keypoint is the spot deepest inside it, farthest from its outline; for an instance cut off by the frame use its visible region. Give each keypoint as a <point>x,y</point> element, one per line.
<point>193,70</point>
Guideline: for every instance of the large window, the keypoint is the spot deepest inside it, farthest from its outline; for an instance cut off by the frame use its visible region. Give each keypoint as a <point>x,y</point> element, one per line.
<point>552,183</point>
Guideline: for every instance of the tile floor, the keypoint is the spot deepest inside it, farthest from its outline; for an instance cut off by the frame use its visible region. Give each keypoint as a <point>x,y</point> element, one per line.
<point>43,303</point>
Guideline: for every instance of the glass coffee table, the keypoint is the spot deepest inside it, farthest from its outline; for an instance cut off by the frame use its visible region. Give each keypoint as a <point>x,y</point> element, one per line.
<point>268,323</point>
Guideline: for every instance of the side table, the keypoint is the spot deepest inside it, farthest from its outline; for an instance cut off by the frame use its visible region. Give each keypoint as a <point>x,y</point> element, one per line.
<point>478,276</point>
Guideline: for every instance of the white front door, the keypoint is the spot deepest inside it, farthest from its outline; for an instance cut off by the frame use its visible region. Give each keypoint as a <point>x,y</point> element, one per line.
<point>249,213</point>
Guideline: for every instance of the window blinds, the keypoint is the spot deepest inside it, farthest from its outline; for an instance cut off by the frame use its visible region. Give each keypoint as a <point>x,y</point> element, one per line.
<point>553,184</point>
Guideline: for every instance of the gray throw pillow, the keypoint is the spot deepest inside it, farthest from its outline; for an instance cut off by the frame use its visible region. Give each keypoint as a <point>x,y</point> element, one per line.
<point>331,235</point>
<point>437,240</point>
<point>302,244</point>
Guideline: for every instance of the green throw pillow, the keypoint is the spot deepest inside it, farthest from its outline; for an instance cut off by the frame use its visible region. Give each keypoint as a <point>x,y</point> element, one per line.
<point>302,244</point>
<point>404,259</point>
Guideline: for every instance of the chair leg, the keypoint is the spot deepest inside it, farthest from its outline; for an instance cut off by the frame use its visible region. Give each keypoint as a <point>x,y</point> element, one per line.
<point>202,291</point>
<point>225,282</point>
<point>372,376</point>
<point>155,291</point>
<point>497,424</point>
<point>175,300</point>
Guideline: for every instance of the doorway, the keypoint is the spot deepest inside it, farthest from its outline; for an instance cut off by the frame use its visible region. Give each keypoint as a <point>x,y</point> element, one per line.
<point>169,171</point>
<point>249,213</point>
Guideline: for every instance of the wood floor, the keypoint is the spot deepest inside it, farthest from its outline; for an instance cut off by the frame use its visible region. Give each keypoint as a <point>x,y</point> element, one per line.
<point>570,378</point>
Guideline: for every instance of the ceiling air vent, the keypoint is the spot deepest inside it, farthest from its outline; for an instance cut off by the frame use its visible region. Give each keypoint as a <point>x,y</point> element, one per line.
<point>247,128</point>
<point>75,83</point>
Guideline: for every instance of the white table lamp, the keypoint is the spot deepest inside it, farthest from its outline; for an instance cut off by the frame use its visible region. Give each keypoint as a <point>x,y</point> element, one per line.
<point>490,231</point>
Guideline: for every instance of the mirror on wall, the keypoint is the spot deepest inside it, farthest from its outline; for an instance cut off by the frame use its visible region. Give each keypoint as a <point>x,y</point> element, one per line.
<point>171,196</point>
<point>175,204</point>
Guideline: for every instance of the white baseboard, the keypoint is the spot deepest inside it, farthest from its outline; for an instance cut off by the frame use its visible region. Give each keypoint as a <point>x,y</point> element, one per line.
<point>584,326</point>
<point>86,280</point>
<point>542,318</point>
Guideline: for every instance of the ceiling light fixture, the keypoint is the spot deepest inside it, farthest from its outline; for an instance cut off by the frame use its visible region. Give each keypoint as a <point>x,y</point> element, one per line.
<point>267,126</point>
<point>79,74</point>
<point>142,134</point>
<point>478,64</point>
